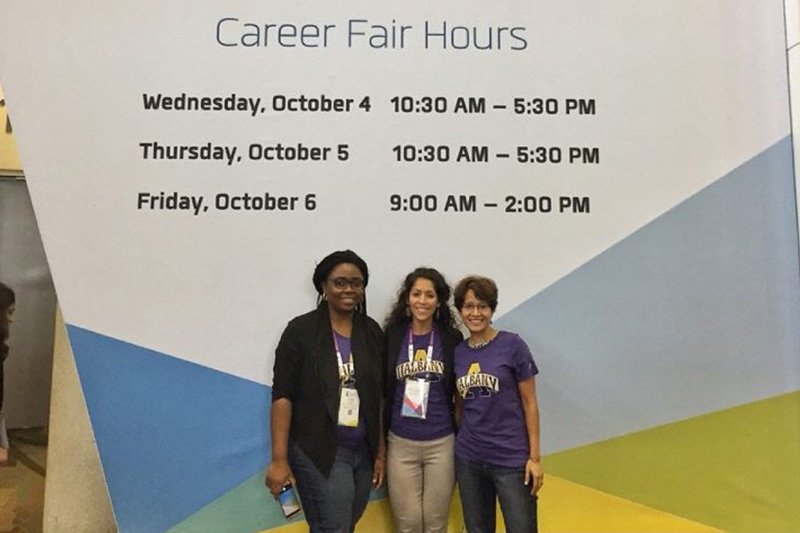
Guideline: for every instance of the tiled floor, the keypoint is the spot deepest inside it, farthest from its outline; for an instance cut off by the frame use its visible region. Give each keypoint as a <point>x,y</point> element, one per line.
<point>22,483</point>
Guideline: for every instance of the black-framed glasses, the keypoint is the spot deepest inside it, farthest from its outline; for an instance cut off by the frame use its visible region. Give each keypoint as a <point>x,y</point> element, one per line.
<point>342,283</point>
<point>472,307</point>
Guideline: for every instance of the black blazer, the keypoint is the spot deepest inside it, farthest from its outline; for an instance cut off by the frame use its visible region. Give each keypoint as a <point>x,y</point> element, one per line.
<point>395,338</point>
<point>306,372</point>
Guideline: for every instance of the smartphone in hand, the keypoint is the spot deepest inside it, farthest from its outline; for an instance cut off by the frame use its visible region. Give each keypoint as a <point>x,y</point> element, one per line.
<point>290,503</point>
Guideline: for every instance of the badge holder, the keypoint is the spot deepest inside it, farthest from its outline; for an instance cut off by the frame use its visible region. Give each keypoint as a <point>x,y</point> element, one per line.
<point>415,398</point>
<point>349,403</point>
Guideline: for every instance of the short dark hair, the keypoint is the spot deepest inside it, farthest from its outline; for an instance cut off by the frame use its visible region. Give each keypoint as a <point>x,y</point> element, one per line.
<point>484,289</point>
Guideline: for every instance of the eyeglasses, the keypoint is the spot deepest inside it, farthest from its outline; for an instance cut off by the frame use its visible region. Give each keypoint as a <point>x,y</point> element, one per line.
<point>342,283</point>
<point>480,307</point>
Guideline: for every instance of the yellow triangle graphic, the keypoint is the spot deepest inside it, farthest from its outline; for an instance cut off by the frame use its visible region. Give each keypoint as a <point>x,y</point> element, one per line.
<point>565,506</point>
<point>377,519</point>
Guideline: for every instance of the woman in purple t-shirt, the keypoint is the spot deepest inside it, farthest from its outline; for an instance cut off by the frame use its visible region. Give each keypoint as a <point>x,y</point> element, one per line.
<point>497,448</point>
<point>420,340</point>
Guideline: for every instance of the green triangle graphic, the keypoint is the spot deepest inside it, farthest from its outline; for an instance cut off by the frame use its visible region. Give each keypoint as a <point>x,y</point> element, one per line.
<point>245,509</point>
<point>735,469</point>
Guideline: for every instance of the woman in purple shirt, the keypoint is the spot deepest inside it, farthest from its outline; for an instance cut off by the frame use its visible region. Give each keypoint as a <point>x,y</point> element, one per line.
<point>420,339</point>
<point>497,448</point>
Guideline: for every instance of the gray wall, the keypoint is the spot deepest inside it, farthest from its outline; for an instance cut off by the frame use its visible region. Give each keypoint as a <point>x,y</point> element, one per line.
<point>24,268</point>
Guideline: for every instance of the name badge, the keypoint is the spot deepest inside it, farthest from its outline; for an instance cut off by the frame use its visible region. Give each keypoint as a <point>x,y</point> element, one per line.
<point>415,398</point>
<point>348,407</point>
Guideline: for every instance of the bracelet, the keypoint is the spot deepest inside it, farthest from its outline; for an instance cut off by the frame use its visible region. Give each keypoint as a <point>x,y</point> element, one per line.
<point>535,460</point>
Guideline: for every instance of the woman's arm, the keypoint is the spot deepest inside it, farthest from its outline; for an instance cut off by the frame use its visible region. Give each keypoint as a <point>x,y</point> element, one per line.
<point>279,473</point>
<point>530,406</point>
<point>459,409</point>
<point>379,468</point>
<point>286,375</point>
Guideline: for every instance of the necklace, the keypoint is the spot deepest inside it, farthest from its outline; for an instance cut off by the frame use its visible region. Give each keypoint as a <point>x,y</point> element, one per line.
<point>481,344</point>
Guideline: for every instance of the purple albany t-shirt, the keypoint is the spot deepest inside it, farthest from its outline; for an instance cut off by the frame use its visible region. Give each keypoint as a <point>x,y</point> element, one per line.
<point>493,427</point>
<point>348,437</point>
<point>438,421</point>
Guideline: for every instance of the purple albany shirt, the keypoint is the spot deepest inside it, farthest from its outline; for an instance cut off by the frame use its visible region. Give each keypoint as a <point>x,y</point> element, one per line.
<point>438,422</point>
<point>493,427</point>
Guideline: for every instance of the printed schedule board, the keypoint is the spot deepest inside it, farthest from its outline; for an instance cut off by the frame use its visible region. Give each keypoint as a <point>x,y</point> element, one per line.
<point>622,169</point>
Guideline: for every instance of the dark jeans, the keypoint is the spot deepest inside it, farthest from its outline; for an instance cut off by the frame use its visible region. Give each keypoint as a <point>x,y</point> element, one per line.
<point>480,484</point>
<point>333,504</point>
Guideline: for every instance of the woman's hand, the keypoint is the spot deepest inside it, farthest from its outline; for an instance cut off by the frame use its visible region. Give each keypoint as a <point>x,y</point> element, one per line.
<point>278,475</point>
<point>534,475</point>
<point>379,472</point>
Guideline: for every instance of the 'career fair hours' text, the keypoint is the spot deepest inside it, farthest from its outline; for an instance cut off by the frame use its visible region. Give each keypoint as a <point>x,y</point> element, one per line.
<point>527,153</point>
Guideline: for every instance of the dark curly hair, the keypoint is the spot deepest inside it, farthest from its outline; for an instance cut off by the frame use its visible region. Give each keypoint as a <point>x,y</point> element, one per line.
<point>7,299</point>
<point>329,262</point>
<point>443,316</point>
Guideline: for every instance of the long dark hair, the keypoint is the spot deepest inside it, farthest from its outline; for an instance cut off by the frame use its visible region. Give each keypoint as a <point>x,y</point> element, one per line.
<point>443,315</point>
<point>7,299</point>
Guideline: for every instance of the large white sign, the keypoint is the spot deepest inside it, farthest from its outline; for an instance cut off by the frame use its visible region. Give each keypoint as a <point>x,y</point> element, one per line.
<point>202,156</point>
<point>190,161</point>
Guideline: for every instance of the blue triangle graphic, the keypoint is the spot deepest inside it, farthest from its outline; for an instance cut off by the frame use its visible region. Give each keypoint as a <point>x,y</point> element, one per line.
<point>173,436</point>
<point>697,311</point>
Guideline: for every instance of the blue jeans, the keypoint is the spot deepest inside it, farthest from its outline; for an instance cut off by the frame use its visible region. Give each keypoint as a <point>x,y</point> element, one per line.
<point>480,484</point>
<point>333,504</point>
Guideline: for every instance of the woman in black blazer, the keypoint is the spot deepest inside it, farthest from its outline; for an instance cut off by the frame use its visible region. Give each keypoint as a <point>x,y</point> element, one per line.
<point>327,389</point>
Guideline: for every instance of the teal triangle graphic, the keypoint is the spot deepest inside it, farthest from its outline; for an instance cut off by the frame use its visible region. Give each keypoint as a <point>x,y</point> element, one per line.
<point>247,508</point>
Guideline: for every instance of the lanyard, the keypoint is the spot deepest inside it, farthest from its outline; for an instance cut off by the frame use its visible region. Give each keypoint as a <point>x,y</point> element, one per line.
<point>428,355</point>
<point>342,365</point>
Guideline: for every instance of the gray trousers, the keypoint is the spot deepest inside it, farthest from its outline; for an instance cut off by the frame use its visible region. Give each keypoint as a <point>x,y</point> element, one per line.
<point>421,477</point>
